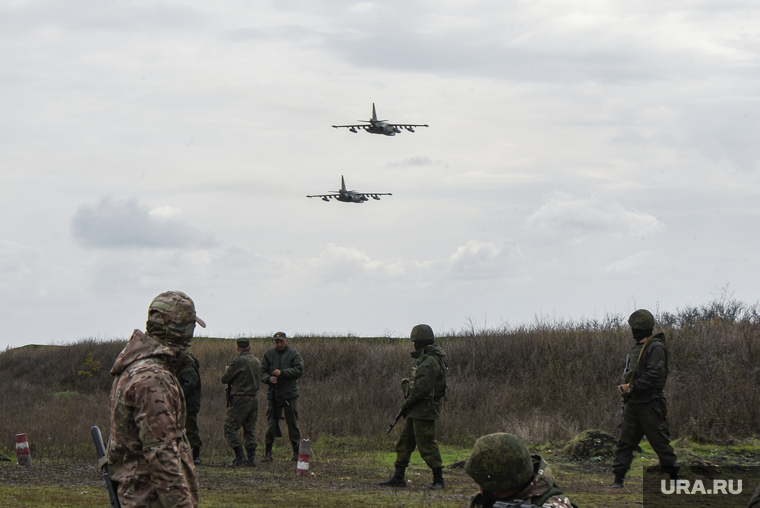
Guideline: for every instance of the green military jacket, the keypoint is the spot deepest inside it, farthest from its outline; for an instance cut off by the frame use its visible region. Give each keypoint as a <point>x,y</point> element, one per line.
<point>542,491</point>
<point>649,370</point>
<point>243,375</point>
<point>190,381</point>
<point>426,385</point>
<point>290,363</point>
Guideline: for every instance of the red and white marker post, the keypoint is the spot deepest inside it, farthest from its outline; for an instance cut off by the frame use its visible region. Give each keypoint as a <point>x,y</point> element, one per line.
<point>304,454</point>
<point>22,450</point>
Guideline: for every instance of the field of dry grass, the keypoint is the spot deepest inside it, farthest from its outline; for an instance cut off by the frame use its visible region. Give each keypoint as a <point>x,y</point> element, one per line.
<point>545,382</point>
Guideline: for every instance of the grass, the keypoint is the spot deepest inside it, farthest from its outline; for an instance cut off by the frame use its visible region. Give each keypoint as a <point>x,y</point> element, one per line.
<point>345,472</point>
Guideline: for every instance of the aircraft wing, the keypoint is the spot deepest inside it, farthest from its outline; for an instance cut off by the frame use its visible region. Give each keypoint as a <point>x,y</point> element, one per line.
<point>324,196</point>
<point>352,127</point>
<point>373,195</point>
<point>405,125</point>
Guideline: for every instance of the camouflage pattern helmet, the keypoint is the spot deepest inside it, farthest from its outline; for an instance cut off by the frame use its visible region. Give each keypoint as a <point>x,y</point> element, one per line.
<point>500,462</point>
<point>641,319</point>
<point>171,316</point>
<point>422,333</point>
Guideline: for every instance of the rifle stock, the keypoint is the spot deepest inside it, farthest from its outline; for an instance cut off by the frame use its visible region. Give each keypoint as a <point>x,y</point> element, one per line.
<point>111,485</point>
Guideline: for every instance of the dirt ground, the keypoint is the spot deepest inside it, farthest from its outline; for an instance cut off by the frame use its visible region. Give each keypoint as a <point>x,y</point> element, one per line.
<point>335,481</point>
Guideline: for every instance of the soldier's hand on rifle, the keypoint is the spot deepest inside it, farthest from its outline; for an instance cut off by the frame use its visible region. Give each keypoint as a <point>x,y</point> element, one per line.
<point>623,389</point>
<point>277,372</point>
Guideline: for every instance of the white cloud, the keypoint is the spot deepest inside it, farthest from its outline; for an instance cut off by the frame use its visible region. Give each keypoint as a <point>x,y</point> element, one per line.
<point>568,216</point>
<point>127,223</point>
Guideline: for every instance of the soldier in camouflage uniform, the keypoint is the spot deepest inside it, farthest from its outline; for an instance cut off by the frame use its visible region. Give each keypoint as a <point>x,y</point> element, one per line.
<point>190,381</point>
<point>423,392</point>
<point>505,470</point>
<point>281,367</point>
<point>148,452</point>
<point>242,380</point>
<point>645,410</point>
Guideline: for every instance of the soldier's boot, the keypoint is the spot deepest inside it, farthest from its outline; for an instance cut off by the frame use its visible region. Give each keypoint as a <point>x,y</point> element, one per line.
<point>240,459</point>
<point>268,454</point>
<point>437,479</point>
<point>397,480</point>
<point>619,480</point>
<point>197,455</point>
<point>294,457</point>
<point>251,456</point>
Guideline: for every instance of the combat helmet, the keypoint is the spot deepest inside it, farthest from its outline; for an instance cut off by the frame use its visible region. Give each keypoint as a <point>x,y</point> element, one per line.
<point>171,317</point>
<point>422,333</point>
<point>500,462</point>
<point>641,319</point>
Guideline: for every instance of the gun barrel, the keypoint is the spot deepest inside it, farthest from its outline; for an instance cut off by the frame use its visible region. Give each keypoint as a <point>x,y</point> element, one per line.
<point>98,438</point>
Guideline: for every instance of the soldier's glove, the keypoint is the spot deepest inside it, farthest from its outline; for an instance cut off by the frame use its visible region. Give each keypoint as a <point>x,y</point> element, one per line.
<point>624,389</point>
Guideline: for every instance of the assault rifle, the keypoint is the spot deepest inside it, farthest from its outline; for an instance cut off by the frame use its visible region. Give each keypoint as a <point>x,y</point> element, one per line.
<point>401,413</point>
<point>624,396</point>
<point>111,485</point>
<point>517,503</point>
<point>278,405</point>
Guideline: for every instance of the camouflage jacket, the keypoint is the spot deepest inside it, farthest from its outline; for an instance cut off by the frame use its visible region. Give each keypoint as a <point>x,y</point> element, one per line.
<point>426,385</point>
<point>243,375</point>
<point>542,491</point>
<point>290,363</point>
<point>148,452</point>
<point>190,381</point>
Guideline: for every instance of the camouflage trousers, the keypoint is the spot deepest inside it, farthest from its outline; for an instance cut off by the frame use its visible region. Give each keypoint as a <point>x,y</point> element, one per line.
<point>418,434</point>
<point>290,412</point>
<point>243,411</point>
<point>644,419</point>
<point>191,430</point>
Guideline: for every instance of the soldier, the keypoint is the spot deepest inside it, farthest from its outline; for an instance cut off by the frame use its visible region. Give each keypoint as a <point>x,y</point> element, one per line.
<point>645,409</point>
<point>281,367</point>
<point>242,378</point>
<point>423,392</point>
<point>504,470</point>
<point>148,452</point>
<point>190,381</point>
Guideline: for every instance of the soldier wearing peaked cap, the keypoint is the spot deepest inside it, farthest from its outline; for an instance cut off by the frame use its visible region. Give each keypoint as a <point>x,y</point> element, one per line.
<point>423,392</point>
<point>505,470</point>
<point>148,452</point>
<point>242,378</point>
<point>281,367</point>
<point>645,408</point>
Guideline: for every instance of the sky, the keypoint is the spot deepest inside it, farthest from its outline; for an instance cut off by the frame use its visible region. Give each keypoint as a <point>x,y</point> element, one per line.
<point>584,158</point>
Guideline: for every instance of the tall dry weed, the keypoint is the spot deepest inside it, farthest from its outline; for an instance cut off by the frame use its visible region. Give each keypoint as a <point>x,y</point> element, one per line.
<point>545,382</point>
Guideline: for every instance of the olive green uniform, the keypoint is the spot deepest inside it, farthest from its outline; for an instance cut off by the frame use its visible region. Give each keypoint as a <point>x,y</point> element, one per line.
<point>190,381</point>
<point>243,378</point>
<point>542,491</point>
<point>423,393</point>
<point>290,364</point>
<point>645,412</point>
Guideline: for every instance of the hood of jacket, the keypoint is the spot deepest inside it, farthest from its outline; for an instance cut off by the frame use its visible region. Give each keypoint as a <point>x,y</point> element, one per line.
<point>144,345</point>
<point>429,350</point>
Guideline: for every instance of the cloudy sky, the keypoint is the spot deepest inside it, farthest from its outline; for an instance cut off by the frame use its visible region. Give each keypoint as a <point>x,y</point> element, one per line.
<point>583,158</point>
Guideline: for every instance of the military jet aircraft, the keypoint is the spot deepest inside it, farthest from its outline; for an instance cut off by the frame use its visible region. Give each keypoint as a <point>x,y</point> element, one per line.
<point>380,126</point>
<point>350,196</point>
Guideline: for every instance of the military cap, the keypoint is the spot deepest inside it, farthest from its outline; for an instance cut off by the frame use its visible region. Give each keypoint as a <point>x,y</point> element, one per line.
<point>500,462</point>
<point>422,333</point>
<point>243,343</point>
<point>280,335</point>
<point>641,319</point>
<point>174,312</point>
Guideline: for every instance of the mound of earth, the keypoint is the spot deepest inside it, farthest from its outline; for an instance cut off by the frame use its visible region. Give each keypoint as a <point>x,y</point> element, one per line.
<point>591,444</point>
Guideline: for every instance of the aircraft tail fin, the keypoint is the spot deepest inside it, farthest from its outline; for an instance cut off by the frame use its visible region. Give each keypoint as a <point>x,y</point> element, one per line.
<point>342,184</point>
<point>374,113</point>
